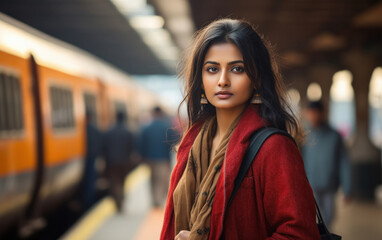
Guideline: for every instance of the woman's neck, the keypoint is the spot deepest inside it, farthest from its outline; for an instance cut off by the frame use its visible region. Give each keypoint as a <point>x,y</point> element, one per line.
<point>224,119</point>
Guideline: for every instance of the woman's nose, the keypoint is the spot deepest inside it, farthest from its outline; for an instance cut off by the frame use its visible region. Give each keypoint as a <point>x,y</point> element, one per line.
<point>223,79</point>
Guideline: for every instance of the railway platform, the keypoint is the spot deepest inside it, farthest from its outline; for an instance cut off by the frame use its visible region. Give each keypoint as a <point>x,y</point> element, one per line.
<point>138,221</point>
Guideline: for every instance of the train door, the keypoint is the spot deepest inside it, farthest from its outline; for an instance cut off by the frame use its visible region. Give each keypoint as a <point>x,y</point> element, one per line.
<point>39,131</point>
<point>17,139</point>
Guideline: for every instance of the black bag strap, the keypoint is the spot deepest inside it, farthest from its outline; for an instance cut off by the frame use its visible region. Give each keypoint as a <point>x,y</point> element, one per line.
<point>255,142</point>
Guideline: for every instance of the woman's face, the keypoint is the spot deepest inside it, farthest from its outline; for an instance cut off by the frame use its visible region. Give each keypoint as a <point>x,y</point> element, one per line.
<point>225,82</point>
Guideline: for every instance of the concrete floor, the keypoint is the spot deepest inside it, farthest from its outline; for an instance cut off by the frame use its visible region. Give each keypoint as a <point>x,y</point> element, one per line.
<point>358,220</point>
<point>125,225</point>
<point>353,221</point>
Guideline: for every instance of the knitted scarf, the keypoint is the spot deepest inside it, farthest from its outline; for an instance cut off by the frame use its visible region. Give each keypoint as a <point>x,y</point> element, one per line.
<point>195,192</point>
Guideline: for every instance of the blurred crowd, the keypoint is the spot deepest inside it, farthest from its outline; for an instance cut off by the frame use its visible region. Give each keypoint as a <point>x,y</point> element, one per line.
<point>121,150</point>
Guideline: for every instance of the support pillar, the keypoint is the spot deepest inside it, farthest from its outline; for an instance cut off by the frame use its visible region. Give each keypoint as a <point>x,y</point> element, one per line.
<point>364,155</point>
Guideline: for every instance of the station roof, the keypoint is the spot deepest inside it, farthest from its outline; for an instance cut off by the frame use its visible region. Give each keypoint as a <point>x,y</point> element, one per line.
<point>300,30</point>
<point>93,25</point>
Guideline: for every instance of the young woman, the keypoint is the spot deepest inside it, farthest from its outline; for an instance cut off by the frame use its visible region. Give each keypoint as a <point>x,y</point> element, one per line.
<point>233,89</point>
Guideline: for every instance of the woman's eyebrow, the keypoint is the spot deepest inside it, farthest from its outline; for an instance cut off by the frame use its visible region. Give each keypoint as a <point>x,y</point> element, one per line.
<point>230,63</point>
<point>237,61</point>
<point>211,62</point>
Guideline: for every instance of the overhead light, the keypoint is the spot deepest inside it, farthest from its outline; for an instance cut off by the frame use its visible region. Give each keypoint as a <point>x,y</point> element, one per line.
<point>341,90</point>
<point>314,92</point>
<point>146,22</point>
<point>127,6</point>
<point>157,37</point>
<point>150,27</point>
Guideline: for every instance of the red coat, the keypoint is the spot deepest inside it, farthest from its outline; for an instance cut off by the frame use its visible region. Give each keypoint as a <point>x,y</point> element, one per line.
<point>274,200</point>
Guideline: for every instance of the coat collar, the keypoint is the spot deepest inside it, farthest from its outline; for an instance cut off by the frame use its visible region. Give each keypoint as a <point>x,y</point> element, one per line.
<point>237,146</point>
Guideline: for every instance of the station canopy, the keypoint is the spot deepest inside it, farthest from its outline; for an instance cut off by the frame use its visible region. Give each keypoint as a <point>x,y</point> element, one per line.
<point>301,31</point>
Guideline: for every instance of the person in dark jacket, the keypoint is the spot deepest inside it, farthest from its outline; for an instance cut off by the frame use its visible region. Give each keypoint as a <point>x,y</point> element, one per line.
<point>155,148</point>
<point>93,146</point>
<point>326,161</point>
<point>118,152</point>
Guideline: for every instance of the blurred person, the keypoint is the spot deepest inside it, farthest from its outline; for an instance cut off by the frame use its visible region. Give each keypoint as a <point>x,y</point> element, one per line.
<point>93,146</point>
<point>233,89</point>
<point>118,152</point>
<point>326,161</point>
<point>155,147</point>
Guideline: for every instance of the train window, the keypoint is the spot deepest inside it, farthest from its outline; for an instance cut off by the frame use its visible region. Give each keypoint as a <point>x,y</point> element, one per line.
<point>11,119</point>
<point>62,108</point>
<point>91,106</point>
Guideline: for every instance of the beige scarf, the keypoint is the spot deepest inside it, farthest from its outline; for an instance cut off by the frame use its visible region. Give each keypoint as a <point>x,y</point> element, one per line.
<point>195,192</point>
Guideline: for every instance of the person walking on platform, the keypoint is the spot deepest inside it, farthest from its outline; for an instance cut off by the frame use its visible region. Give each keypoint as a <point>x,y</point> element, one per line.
<point>118,153</point>
<point>155,148</point>
<point>233,90</point>
<point>93,146</point>
<point>326,161</point>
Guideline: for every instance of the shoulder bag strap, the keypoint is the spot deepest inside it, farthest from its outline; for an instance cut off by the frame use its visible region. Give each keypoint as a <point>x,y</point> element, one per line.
<point>256,141</point>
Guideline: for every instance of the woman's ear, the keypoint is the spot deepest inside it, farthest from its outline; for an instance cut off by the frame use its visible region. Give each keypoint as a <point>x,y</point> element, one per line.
<point>202,86</point>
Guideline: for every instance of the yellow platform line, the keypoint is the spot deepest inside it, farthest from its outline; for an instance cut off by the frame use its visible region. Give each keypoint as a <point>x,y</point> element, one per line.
<point>87,225</point>
<point>136,177</point>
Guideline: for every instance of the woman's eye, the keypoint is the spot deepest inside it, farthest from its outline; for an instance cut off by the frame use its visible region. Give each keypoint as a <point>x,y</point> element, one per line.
<point>237,69</point>
<point>212,69</point>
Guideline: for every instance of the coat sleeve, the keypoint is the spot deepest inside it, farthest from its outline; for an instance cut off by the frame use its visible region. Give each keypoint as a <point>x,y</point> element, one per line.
<point>288,200</point>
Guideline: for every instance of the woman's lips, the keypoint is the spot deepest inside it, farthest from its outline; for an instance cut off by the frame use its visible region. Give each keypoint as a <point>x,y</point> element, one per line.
<point>223,95</point>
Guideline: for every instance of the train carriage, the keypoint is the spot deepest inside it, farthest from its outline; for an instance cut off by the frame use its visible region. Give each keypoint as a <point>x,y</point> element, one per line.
<point>46,88</point>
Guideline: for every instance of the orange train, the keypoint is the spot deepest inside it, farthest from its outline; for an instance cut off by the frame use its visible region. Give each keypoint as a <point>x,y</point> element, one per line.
<point>46,86</point>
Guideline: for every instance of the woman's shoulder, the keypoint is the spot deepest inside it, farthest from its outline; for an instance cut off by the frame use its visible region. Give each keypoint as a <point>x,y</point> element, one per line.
<point>279,161</point>
<point>279,140</point>
<point>279,149</point>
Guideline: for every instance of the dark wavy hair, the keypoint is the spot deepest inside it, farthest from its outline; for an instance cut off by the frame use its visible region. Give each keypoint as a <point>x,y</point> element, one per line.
<point>259,65</point>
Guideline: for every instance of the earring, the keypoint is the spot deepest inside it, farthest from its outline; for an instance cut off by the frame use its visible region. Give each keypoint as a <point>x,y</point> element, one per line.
<point>203,99</point>
<point>256,99</point>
